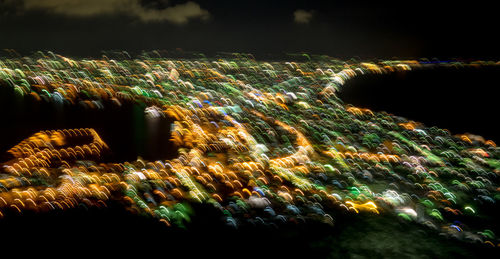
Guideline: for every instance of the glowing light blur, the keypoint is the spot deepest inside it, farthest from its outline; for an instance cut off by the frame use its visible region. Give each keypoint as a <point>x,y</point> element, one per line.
<point>264,142</point>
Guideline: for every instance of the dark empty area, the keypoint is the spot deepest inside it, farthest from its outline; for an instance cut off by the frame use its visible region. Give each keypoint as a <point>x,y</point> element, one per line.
<point>459,99</point>
<point>126,129</point>
<point>115,232</point>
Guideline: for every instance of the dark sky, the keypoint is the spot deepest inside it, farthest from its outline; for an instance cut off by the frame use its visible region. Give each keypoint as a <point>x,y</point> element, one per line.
<point>375,29</point>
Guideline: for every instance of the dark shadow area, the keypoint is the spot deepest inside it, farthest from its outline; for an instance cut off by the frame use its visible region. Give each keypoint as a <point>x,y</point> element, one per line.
<point>126,129</point>
<point>113,231</point>
<point>459,99</point>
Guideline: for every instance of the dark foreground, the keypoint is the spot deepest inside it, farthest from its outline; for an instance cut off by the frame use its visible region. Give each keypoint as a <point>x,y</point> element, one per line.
<point>116,232</point>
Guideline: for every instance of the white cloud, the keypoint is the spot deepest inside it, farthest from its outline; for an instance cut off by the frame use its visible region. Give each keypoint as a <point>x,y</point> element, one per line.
<point>302,16</point>
<point>178,14</point>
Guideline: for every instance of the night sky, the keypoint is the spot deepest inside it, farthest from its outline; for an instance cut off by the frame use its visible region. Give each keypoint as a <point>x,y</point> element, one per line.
<point>344,29</point>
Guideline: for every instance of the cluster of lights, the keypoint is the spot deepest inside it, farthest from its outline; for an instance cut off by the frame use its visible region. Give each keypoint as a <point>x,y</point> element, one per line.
<point>264,142</point>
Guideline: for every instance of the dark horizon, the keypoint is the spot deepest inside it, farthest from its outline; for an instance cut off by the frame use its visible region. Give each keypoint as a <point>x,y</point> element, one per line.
<point>338,29</point>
